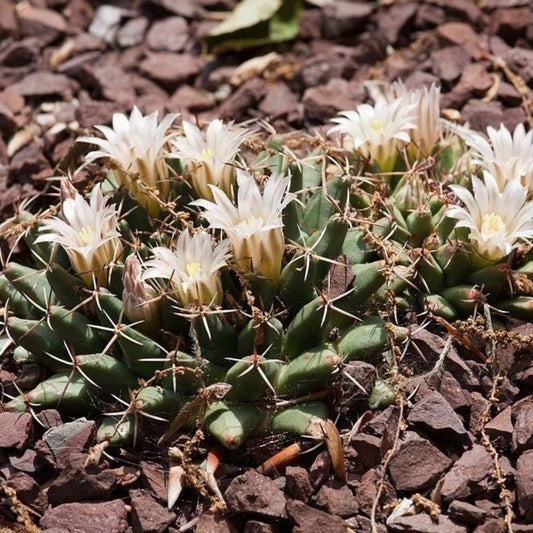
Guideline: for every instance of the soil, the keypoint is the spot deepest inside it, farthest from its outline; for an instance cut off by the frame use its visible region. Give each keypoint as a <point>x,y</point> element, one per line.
<point>460,443</point>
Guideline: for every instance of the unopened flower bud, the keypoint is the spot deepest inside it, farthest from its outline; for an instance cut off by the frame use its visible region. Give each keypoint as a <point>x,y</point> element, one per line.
<point>139,297</point>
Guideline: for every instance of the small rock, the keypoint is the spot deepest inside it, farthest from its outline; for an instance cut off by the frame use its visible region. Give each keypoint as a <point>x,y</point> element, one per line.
<point>368,448</point>
<point>343,16</point>
<point>510,24</point>
<point>253,493</point>
<point>169,70</point>
<point>109,82</point>
<point>93,112</point>
<point>79,14</point>
<point>501,426</point>
<point>87,517</point>
<point>254,526</point>
<point>462,34</point>
<point>20,52</point>
<point>8,124</point>
<point>15,430</point>
<point>470,475</point>
<point>481,114</point>
<point>155,479</point>
<point>185,8</point>
<point>323,102</point>
<point>429,16</point>
<point>520,60</point>
<point>475,80</point>
<point>42,84</point>
<point>26,487</point>
<point>393,21</point>
<point>451,390</point>
<point>168,35</point>
<point>423,523</point>
<point>210,523</point>
<point>466,513</point>
<point>307,519</point>
<point>349,394</point>
<point>478,406</point>
<point>387,419</point>
<point>310,24</point>
<point>320,68</point>
<point>147,515</point>
<point>434,413</point>
<point>247,95</point>
<point>8,19</point>
<point>366,491</point>
<point>28,462</point>
<point>132,33</point>
<point>336,498</point>
<point>280,102</point>
<point>298,482</point>
<point>76,482</point>
<point>44,23</point>
<point>417,465</point>
<point>521,367</point>
<point>448,63</point>
<point>523,425</point>
<point>106,22</point>
<point>320,469</point>
<point>72,437</point>
<point>192,99</point>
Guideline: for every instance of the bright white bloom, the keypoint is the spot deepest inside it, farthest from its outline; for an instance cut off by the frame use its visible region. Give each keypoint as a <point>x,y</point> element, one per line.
<point>88,233</point>
<point>496,219</point>
<point>377,132</point>
<point>136,148</point>
<point>193,268</point>
<point>427,134</point>
<point>505,156</point>
<point>138,297</point>
<point>209,156</point>
<point>254,226</point>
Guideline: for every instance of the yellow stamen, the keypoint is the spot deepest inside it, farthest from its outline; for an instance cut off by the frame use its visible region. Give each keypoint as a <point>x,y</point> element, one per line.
<point>377,125</point>
<point>207,153</point>
<point>492,223</point>
<point>85,234</point>
<point>193,268</point>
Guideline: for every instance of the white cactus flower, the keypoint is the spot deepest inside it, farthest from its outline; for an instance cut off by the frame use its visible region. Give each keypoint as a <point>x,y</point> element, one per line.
<point>377,132</point>
<point>209,156</point>
<point>138,297</point>
<point>193,268</point>
<point>88,233</point>
<point>497,220</point>
<point>505,156</point>
<point>427,133</point>
<point>254,226</point>
<point>136,148</point>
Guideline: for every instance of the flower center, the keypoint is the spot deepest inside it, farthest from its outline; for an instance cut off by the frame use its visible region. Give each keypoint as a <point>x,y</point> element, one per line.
<point>376,125</point>
<point>207,153</point>
<point>193,269</point>
<point>492,223</point>
<point>85,234</point>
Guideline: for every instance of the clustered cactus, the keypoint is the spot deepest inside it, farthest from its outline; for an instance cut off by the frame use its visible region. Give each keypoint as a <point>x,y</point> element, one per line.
<point>238,272</point>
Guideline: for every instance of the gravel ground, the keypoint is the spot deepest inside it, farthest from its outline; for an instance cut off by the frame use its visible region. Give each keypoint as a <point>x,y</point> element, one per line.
<point>463,442</point>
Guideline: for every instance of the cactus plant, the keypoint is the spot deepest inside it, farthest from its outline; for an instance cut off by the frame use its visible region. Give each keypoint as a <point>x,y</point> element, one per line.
<point>200,260</point>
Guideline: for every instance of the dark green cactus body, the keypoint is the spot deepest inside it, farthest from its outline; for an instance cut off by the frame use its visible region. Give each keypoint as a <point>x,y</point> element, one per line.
<point>310,371</point>
<point>31,283</point>
<point>302,419</point>
<point>216,338</point>
<point>72,394</point>
<point>266,338</point>
<point>232,424</point>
